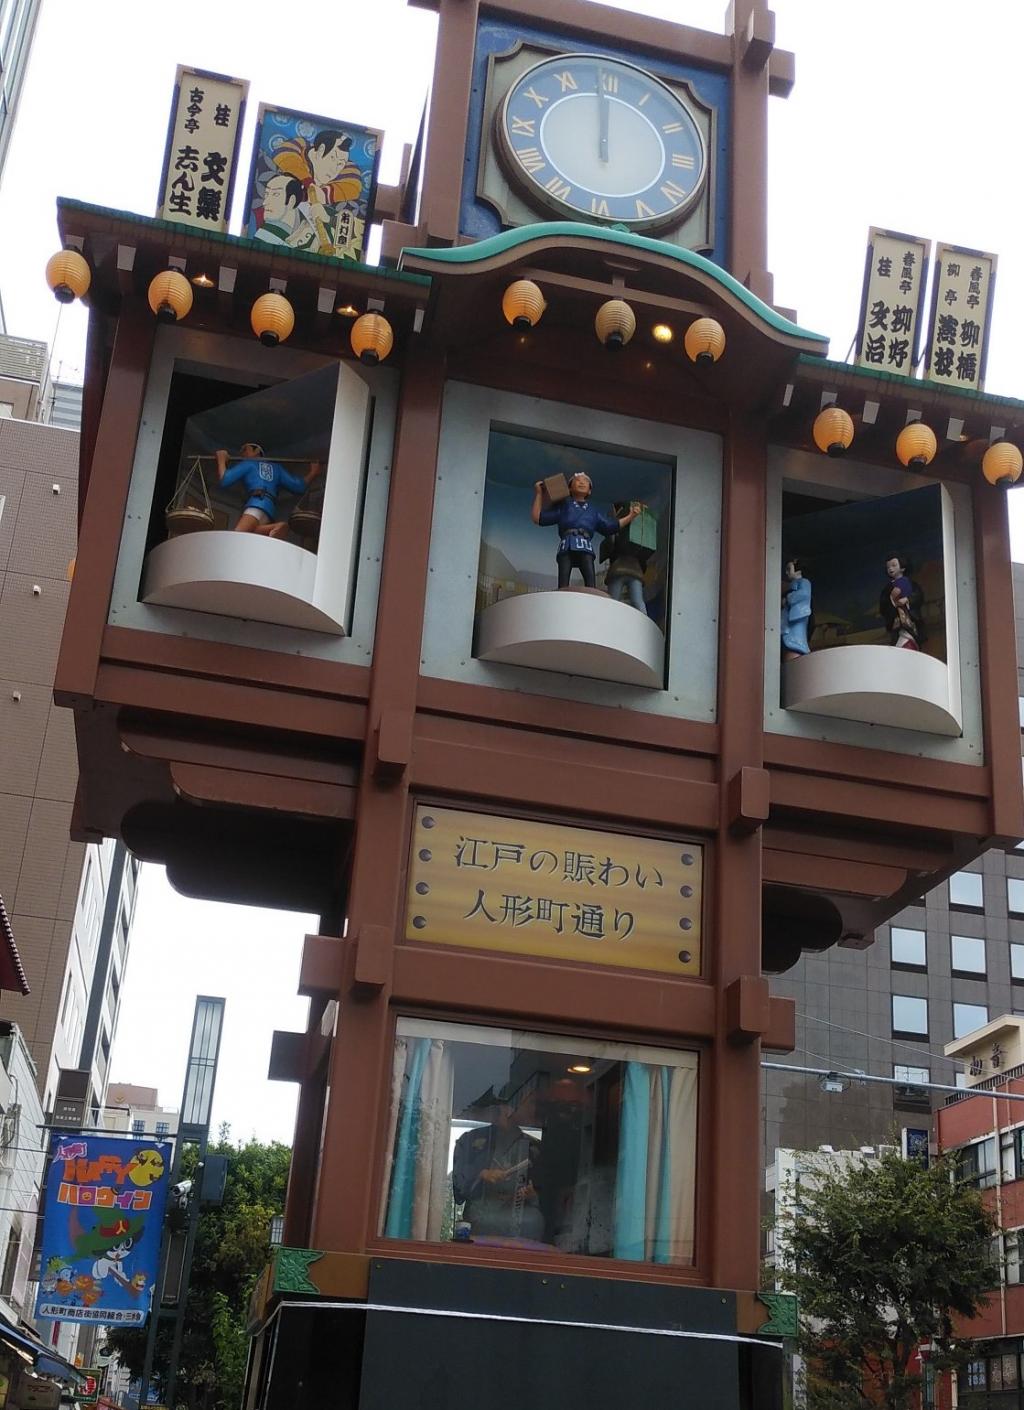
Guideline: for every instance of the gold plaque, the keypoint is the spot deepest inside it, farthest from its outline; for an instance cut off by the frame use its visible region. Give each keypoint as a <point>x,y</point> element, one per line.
<point>569,893</point>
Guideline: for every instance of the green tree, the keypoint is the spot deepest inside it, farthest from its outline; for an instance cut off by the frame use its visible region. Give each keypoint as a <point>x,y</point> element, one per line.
<point>883,1256</point>
<point>231,1250</point>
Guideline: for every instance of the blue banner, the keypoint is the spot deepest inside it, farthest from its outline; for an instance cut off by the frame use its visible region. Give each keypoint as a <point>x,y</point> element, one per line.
<point>102,1220</point>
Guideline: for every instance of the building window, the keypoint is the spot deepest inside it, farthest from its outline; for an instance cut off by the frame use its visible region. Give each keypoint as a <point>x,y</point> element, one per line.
<point>1015,896</point>
<point>6,410</point>
<point>138,1126</point>
<point>1017,962</point>
<point>967,891</point>
<point>973,1375</point>
<point>968,955</point>
<point>1011,1158</point>
<point>968,1017</point>
<point>10,1262</point>
<point>910,1016</point>
<point>1013,1243</point>
<point>910,1075</point>
<point>562,1130</point>
<point>909,948</point>
<point>976,1164</point>
<point>162,1127</point>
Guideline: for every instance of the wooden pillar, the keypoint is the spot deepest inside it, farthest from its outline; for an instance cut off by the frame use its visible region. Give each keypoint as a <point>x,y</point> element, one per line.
<point>748,254</point>
<point>735,1126</point>
<point>450,96</point>
<point>359,1060</point>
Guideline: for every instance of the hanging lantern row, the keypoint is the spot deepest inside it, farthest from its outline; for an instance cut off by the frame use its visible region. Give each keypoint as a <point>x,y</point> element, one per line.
<point>170,297</point>
<point>523,304</point>
<point>916,446</point>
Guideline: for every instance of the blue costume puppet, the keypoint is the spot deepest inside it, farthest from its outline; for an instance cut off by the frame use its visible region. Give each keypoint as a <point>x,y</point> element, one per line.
<point>578,521</point>
<point>263,481</point>
<point>796,611</point>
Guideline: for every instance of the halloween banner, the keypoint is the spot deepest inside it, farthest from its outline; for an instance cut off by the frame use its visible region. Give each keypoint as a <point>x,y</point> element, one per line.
<point>102,1221</point>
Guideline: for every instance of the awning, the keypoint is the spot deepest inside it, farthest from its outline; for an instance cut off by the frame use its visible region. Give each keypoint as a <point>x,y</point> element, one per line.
<point>46,1361</point>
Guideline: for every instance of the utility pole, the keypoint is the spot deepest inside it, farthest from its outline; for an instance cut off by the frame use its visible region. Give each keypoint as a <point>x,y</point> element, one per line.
<point>193,1130</point>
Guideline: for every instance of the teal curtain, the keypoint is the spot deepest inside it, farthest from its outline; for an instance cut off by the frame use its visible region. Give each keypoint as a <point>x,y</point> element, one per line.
<point>398,1224</point>
<point>631,1175</point>
<point>663,1219</point>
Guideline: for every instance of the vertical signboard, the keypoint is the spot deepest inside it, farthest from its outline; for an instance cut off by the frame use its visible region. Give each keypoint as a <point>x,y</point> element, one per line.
<point>102,1220</point>
<point>961,315</point>
<point>202,148</point>
<point>892,302</point>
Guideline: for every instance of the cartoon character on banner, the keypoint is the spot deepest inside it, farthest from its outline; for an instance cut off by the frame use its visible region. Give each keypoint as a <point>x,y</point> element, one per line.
<point>109,1244</point>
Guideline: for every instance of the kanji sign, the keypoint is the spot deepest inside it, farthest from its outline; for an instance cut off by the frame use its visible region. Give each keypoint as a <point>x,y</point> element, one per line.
<point>961,313</point>
<point>892,304</point>
<point>534,888</point>
<point>202,149</point>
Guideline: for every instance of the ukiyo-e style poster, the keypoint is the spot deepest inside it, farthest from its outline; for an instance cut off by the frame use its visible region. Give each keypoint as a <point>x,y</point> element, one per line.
<point>312,183</point>
<point>102,1221</point>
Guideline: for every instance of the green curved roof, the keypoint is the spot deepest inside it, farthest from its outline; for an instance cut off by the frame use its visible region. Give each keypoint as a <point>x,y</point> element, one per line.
<point>609,235</point>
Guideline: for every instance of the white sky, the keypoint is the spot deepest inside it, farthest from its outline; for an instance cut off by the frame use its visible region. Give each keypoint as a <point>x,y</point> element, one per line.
<point>905,115</point>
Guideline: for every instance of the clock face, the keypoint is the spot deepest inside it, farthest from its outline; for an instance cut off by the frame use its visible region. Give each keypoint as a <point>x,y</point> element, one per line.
<point>600,139</point>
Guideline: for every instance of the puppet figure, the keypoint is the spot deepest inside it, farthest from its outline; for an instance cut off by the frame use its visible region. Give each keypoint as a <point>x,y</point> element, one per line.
<point>263,480</point>
<point>901,605</point>
<point>578,521</point>
<point>796,611</point>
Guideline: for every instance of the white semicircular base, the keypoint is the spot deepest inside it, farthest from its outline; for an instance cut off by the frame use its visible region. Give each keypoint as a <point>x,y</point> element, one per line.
<point>238,575</point>
<point>574,632</point>
<point>878,685</point>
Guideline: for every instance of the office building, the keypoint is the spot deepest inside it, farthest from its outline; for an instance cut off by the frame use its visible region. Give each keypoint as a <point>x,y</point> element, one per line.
<point>17,28</point>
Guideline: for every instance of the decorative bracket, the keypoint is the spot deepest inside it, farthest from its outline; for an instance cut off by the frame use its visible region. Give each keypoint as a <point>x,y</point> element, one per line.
<point>748,800</point>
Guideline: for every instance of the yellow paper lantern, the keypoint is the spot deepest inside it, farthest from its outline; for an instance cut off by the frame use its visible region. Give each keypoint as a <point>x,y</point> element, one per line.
<point>833,430</point>
<point>523,304</point>
<point>1002,464</point>
<point>170,295</point>
<point>372,338</point>
<point>704,341</point>
<point>68,275</point>
<point>272,318</point>
<point>615,323</point>
<point>916,444</point>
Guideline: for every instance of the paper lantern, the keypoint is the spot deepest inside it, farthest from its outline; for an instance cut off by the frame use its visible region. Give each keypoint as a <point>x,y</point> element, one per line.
<point>68,275</point>
<point>1002,464</point>
<point>916,444</point>
<point>704,341</point>
<point>615,323</point>
<point>272,319</point>
<point>372,338</point>
<point>523,304</point>
<point>170,296</point>
<point>833,430</point>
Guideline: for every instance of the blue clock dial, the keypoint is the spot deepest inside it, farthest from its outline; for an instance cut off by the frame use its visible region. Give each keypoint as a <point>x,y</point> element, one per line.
<point>603,140</point>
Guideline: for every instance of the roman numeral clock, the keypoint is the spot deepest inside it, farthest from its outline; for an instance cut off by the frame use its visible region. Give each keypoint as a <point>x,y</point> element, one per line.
<point>594,138</point>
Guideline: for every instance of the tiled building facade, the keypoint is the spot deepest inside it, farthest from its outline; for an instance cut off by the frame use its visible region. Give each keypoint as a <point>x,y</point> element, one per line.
<point>940,969</point>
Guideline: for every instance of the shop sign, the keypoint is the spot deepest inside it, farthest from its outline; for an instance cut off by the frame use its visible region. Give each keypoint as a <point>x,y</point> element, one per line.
<point>961,316</point>
<point>38,1394</point>
<point>892,302</point>
<point>569,893</point>
<point>103,1216</point>
<point>88,1393</point>
<point>201,156</point>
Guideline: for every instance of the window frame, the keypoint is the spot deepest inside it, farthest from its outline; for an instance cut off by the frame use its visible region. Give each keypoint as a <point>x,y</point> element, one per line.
<point>1011,882</point>
<point>960,971</point>
<point>964,1004</point>
<point>970,906</point>
<point>917,1034</point>
<point>913,965</point>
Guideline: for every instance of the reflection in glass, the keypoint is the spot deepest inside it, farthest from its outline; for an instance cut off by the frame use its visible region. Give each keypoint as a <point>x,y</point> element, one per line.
<point>509,1139</point>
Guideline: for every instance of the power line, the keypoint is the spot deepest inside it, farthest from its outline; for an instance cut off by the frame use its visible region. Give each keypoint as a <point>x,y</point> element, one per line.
<point>918,1048</point>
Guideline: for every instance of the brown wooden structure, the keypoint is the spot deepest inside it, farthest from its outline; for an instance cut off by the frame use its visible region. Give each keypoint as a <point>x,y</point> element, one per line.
<point>268,770</point>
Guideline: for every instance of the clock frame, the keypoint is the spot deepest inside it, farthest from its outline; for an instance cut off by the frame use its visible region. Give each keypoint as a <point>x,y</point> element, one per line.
<point>668,142</point>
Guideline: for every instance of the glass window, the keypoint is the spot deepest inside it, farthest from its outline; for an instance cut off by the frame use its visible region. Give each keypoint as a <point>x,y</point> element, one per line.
<point>6,410</point>
<point>1017,961</point>
<point>1020,710</point>
<point>909,1015</point>
<point>910,1075</point>
<point>908,947</point>
<point>161,1128</point>
<point>1015,895</point>
<point>976,1164</point>
<point>968,954</point>
<point>138,1126</point>
<point>974,1375</point>
<point>968,1017</point>
<point>524,1140</point>
<point>967,889</point>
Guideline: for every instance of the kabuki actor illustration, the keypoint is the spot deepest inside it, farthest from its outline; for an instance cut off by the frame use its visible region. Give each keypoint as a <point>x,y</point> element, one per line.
<point>312,183</point>
<point>104,1210</point>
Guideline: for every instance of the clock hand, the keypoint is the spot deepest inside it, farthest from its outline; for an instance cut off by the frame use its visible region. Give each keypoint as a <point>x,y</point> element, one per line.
<point>602,115</point>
